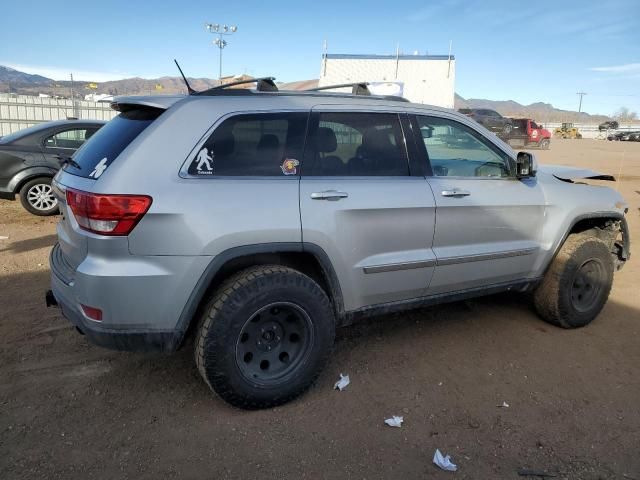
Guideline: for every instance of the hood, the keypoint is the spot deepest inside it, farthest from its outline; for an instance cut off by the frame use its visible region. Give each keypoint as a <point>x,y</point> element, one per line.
<point>571,173</point>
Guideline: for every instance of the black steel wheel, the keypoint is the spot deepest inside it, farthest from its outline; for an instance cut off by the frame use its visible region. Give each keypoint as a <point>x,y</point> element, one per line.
<point>264,336</point>
<point>274,341</point>
<point>576,286</point>
<point>587,284</point>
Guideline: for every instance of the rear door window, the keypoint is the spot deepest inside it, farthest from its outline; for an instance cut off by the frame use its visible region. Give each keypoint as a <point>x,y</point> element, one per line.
<point>107,143</point>
<point>257,144</point>
<point>356,144</point>
<point>71,139</point>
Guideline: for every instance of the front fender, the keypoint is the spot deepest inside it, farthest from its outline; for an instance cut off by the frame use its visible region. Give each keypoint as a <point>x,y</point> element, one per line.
<point>567,204</point>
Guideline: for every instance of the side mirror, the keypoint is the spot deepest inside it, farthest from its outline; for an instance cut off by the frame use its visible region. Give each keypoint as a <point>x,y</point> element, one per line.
<point>526,165</point>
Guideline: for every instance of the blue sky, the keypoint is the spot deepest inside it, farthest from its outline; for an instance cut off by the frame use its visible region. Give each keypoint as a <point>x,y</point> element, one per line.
<point>524,51</point>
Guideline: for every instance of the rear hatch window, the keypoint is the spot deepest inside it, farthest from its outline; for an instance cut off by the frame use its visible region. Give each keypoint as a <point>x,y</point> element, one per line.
<point>109,142</point>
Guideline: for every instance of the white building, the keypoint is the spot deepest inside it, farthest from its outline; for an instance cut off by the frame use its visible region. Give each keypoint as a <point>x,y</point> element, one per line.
<point>426,79</point>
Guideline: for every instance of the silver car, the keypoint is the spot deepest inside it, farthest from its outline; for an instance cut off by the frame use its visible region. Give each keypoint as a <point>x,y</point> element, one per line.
<point>259,221</point>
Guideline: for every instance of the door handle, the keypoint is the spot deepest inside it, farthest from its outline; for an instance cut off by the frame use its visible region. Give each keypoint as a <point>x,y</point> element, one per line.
<point>331,195</point>
<point>456,192</point>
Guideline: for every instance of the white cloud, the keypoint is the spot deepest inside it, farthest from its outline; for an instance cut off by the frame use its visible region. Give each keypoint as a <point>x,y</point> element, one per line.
<point>626,68</point>
<point>57,73</point>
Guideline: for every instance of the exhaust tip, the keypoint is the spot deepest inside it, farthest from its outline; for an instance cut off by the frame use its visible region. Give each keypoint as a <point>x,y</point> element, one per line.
<point>50,299</point>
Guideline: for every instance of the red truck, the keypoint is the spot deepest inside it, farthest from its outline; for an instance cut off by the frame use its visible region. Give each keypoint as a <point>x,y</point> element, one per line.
<point>527,133</point>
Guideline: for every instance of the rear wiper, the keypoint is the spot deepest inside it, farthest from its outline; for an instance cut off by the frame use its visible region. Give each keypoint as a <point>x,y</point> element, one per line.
<point>68,160</point>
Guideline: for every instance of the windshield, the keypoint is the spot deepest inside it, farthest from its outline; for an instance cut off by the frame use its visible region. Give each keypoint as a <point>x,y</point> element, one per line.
<point>109,142</point>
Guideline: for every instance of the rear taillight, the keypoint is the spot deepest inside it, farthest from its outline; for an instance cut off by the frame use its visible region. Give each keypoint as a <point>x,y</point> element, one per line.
<point>107,214</point>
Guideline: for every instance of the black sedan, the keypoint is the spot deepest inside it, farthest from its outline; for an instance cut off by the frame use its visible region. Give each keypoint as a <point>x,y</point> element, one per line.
<point>30,158</point>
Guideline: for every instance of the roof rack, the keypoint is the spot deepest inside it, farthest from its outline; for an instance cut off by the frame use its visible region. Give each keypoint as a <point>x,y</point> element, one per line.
<point>359,88</point>
<point>263,84</point>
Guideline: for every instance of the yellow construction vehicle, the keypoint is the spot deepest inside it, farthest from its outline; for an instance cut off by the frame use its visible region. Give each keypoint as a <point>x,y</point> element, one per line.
<point>567,131</point>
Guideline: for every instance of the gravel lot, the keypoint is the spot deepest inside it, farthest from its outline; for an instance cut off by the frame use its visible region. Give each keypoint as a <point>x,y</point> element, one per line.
<point>71,410</point>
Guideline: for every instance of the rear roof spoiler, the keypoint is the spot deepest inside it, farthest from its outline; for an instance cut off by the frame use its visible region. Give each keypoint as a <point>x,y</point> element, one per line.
<point>129,102</point>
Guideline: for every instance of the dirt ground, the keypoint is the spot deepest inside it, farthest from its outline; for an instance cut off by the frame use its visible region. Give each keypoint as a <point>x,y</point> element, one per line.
<point>72,410</point>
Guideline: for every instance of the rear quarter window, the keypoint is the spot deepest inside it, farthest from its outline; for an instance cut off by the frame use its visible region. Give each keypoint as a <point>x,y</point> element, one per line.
<point>260,144</point>
<point>100,151</point>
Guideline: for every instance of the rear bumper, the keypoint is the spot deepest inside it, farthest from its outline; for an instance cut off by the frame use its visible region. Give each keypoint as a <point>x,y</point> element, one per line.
<point>123,328</point>
<point>142,341</point>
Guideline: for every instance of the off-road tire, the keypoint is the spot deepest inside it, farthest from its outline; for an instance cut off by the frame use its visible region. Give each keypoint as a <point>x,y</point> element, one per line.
<point>29,203</point>
<point>507,128</point>
<point>545,143</point>
<point>557,299</point>
<point>239,301</point>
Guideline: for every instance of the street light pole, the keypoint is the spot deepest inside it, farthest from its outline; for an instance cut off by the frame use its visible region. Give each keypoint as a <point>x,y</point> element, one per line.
<point>220,42</point>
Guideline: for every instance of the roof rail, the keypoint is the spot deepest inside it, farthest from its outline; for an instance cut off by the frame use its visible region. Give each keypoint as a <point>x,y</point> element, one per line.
<point>263,84</point>
<point>359,88</point>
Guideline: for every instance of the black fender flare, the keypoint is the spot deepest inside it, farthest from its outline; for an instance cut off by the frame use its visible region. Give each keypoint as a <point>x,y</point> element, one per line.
<point>25,175</point>
<point>216,264</point>
<point>612,215</point>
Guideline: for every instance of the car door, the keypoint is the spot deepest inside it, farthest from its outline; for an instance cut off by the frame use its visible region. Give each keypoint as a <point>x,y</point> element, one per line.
<point>64,143</point>
<point>360,203</point>
<point>488,222</point>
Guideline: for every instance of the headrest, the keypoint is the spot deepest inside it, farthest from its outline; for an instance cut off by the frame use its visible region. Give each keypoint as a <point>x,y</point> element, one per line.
<point>268,142</point>
<point>224,144</point>
<point>374,140</point>
<point>326,140</point>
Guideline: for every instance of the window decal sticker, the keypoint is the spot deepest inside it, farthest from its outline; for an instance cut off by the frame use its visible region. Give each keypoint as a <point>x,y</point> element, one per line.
<point>204,160</point>
<point>99,168</point>
<point>290,166</point>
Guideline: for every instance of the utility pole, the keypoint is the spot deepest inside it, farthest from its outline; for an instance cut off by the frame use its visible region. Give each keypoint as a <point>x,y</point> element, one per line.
<point>73,101</point>
<point>324,58</point>
<point>220,42</point>
<point>397,59</point>
<point>580,94</point>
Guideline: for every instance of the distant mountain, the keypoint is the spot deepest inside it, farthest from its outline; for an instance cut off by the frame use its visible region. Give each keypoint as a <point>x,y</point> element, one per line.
<point>24,83</point>
<point>539,111</point>
<point>9,75</point>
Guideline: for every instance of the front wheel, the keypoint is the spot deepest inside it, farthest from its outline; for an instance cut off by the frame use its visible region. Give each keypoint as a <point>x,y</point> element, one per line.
<point>545,143</point>
<point>37,197</point>
<point>577,284</point>
<point>265,336</point>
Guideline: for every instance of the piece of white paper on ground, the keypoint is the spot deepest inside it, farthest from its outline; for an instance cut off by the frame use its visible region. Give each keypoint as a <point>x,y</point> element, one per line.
<point>504,405</point>
<point>342,383</point>
<point>394,421</point>
<point>444,462</point>
<point>2,237</point>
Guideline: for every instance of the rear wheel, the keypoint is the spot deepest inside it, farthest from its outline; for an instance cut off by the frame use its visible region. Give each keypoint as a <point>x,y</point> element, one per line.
<point>265,336</point>
<point>37,197</point>
<point>576,286</point>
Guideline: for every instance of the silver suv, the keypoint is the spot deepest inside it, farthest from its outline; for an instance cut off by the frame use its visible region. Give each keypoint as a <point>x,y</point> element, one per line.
<point>259,221</point>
